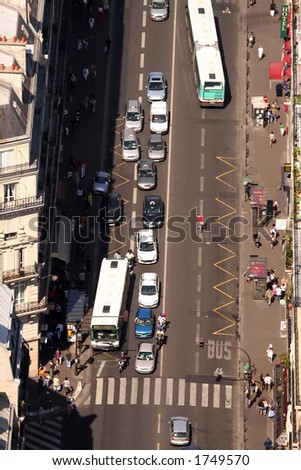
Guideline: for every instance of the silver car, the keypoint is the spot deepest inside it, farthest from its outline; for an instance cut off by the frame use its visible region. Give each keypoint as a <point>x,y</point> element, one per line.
<point>159,10</point>
<point>146,174</point>
<point>133,118</point>
<point>156,87</point>
<point>180,429</point>
<point>130,145</point>
<point>145,358</point>
<point>156,148</point>
<point>101,182</point>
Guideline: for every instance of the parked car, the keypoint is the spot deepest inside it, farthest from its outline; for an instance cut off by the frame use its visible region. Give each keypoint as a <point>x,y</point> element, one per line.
<point>180,431</point>
<point>156,87</point>
<point>159,117</point>
<point>133,118</point>
<point>158,10</point>
<point>130,145</point>
<point>153,212</point>
<point>147,252</point>
<point>114,209</point>
<point>149,288</point>
<point>146,174</point>
<point>144,323</point>
<point>101,182</point>
<point>156,148</point>
<point>145,358</point>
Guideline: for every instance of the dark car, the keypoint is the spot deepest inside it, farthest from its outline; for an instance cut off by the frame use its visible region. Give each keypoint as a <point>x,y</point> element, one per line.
<point>114,209</point>
<point>153,212</point>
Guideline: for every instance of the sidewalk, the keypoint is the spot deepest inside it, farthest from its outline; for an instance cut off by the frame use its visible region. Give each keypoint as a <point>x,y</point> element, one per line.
<point>261,324</point>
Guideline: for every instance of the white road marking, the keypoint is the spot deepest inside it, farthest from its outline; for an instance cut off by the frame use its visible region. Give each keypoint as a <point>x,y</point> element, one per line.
<point>203,140</point>
<point>142,61</point>
<point>201,184</point>
<point>181,392</point>
<point>197,363</point>
<point>205,395</point>
<point>134,213</point>
<point>202,161</point>
<point>198,308</point>
<point>134,391</point>
<point>111,391</point>
<point>198,282</point>
<point>169,391</point>
<point>101,367</point>
<point>192,397</point>
<point>122,391</point>
<point>146,391</point>
<point>159,423</point>
<point>228,396</point>
<point>197,333</point>
<point>134,197</point>
<point>201,205</point>
<point>216,395</point>
<point>157,392</point>
<point>135,174</point>
<point>199,256</point>
<point>99,390</point>
<point>144,13</point>
<point>140,82</point>
<point>142,45</point>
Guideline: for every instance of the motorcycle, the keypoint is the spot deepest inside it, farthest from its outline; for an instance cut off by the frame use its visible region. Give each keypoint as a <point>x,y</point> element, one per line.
<point>251,39</point>
<point>122,362</point>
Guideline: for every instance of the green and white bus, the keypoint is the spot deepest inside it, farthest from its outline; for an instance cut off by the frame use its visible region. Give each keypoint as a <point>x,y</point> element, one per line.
<point>206,56</point>
<point>109,310</point>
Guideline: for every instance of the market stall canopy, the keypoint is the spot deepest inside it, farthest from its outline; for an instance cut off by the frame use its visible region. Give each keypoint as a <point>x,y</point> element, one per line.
<point>258,267</point>
<point>257,196</point>
<point>278,70</point>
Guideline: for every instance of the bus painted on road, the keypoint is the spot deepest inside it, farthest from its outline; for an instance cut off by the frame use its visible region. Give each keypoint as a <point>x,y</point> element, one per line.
<point>206,56</point>
<point>109,309</point>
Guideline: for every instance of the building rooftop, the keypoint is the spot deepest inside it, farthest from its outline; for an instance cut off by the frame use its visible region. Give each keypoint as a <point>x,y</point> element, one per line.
<point>12,114</point>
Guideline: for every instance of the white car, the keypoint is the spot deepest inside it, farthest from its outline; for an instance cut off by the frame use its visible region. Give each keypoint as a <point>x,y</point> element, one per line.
<point>133,118</point>
<point>159,117</point>
<point>149,290</point>
<point>145,358</point>
<point>147,252</point>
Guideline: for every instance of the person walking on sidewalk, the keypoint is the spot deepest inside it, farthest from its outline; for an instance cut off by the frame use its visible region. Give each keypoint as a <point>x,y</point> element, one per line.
<point>270,353</point>
<point>282,128</point>
<point>68,359</point>
<point>260,52</point>
<point>66,385</point>
<point>272,138</point>
<point>268,381</point>
<point>268,444</point>
<point>58,357</point>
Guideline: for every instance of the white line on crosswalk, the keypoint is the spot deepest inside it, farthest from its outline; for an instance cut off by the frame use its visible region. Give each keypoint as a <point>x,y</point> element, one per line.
<point>169,391</point>
<point>205,395</point>
<point>216,395</point>
<point>134,391</point>
<point>157,393</point>
<point>122,391</point>
<point>181,392</point>
<point>192,398</point>
<point>111,391</point>
<point>146,391</point>
<point>99,390</point>
<point>228,396</point>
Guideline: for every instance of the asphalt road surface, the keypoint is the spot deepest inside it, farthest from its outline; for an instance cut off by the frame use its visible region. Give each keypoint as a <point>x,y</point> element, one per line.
<point>199,286</point>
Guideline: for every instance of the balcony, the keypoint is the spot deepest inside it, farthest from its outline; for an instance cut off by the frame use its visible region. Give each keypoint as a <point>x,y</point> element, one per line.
<point>30,307</point>
<point>21,204</point>
<point>21,169</point>
<point>19,273</point>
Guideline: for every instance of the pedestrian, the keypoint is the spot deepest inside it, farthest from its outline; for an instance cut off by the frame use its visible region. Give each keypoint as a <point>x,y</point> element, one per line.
<point>283,244</point>
<point>58,357</point>
<point>256,239</point>
<point>85,43</point>
<point>58,308</point>
<point>283,287</point>
<point>270,353</point>
<point>275,209</point>
<point>59,330</point>
<point>260,407</point>
<point>40,383</point>
<point>51,369</point>
<point>79,192</point>
<point>282,128</point>
<point>100,13</point>
<point>41,415</point>
<point>108,44</point>
<point>86,73</point>
<point>93,71</point>
<point>272,8</point>
<point>88,264</point>
<point>268,381</point>
<point>268,444</point>
<point>272,138</point>
<point>66,385</point>
<point>269,296</point>
<point>260,52</point>
<point>90,199</point>
<point>91,22</point>
<point>278,293</point>
<point>68,358</point>
<point>93,104</point>
<point>79,43</point>
<point>49,337</point>
<point>273,241</point>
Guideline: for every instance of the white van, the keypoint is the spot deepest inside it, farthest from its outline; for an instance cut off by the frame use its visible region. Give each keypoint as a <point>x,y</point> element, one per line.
<point>159,117</point>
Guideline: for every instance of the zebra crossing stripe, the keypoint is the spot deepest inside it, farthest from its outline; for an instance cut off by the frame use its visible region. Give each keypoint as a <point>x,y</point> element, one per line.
<point>157,393</point>
<point>205,395</point>
<point>192,398</point>
<point>169,391</point>
<point>216,395</point>
<point>122,391</point>
<point>99,390</point>
<point>146,391</point>
<point>181,392</point>
<point>134,391</point>
<point>228,396</point>
<point>111,391</point>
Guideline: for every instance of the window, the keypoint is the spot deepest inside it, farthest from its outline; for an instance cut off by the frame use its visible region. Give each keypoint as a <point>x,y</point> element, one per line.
<point>9,192</point>
<point>19,258</point>
<point>10,229</point>
<point>19,293</point>
<point>7,158</point>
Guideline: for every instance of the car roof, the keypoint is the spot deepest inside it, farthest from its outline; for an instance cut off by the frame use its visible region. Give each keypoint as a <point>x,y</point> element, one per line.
<point>149,276</point>
<point>180,423</point>
<point>155,138</point>
<point>146,163</point>
<point>146,347</point>
<point>144,312</point>
<point>147,234</point>
<point>158,106</point>
<point>129,134</point>
<point>134,104</point>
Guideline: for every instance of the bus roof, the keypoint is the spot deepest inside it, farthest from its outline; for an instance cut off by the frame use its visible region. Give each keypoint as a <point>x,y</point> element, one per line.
<point>209,65</point>
<point>202,23</point>
<point>110,292</point>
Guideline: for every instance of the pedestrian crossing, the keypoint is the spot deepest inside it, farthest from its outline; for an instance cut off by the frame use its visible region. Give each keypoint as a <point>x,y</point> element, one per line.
<point>44,436</point>
<point>161,392</point>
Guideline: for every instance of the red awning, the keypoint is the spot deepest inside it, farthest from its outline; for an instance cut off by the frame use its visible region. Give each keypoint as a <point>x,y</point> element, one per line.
<point>278,70</point>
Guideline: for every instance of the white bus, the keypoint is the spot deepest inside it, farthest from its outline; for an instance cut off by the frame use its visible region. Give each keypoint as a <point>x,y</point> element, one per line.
<point>206,56</point>
<point>110,304</point>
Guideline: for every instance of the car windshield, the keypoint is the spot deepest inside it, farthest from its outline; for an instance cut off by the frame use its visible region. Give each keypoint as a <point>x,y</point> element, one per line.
<point>144,321</point>
<point>132,116</point>
<point>145,356</point>
<point>148,290</point>
<point>130,144</point>
<point>157,85</point>
<point>158,5</point>
<point>156,145</point>
<point>158,118</point>
<point>147,246</point>
<point>144,173</point>
<point>179,434</point>
<point>100,179</point>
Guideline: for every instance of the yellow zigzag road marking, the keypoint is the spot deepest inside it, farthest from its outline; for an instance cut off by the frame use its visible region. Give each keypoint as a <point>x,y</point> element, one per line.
<point>125,180</point>
<point>228,214</point>
<point>234,168</point>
